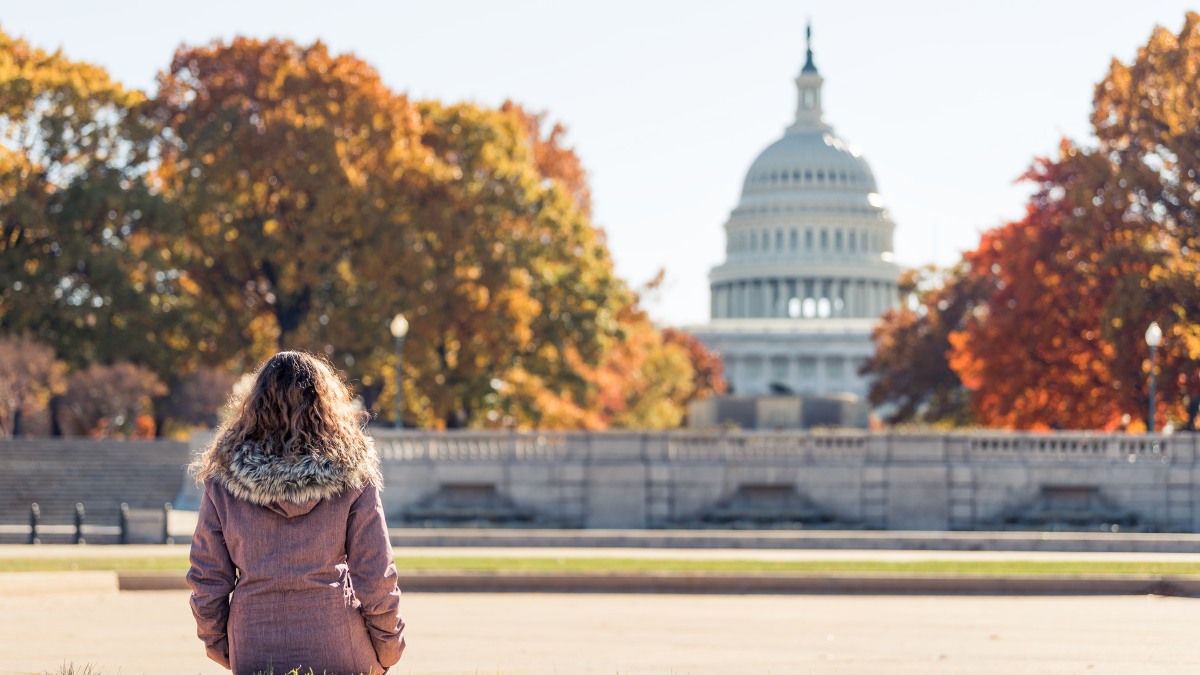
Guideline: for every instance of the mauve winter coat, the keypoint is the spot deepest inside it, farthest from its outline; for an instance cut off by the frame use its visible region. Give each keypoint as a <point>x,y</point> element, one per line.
<point>292,566</point>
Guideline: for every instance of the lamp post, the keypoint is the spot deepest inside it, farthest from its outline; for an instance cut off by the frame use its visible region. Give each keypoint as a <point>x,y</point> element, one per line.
<point>1154,339</point>
<point>399,328</point>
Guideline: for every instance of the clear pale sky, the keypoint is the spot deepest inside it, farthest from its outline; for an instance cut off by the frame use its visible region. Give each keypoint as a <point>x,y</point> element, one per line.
<point>668,102</point>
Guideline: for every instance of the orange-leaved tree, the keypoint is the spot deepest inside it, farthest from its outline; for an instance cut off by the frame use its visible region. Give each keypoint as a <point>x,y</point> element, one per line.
<point>1033,350</point>
<point>1146,118</point>
<point>1108,245</point>
<point>910,376</point>
<point>277,160</point>
<point>513,295</point>
<point>517,317</point>
<point>709,379</point>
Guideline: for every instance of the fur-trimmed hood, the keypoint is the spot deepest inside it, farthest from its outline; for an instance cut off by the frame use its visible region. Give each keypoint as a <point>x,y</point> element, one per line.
<point>292,485</point>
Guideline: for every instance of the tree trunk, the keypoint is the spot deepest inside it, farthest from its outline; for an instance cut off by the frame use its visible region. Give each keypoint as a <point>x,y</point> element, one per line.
<point>289,313</point>
<point>370,397</point>
<point>456,419</point>
<point>288,320</point>
<point>55,425</point>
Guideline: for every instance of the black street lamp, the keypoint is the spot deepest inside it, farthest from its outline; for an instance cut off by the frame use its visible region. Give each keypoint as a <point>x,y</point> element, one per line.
<point>399,328</point>
<point>1154,339</point>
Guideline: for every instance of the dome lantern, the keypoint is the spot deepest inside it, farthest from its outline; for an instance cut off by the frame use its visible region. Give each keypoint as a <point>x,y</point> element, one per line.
<point>809,66</point>
<point>808,86</point>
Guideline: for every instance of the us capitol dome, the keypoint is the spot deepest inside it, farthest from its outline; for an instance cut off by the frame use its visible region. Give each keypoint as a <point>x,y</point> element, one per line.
<point>809,266</point>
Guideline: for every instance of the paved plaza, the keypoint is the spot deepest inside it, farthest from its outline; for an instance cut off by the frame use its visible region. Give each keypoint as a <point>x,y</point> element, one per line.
<point>49,618</point>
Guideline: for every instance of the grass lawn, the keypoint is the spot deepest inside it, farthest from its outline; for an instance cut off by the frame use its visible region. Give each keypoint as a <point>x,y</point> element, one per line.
<point>621,565</point>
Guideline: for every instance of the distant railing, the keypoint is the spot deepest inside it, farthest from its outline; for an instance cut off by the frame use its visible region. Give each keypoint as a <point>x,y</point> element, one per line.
<point>80,529</point>
<point>791,446</point>
<point>470,445</point>
<point>775,445</point>
<point>1104,447</point>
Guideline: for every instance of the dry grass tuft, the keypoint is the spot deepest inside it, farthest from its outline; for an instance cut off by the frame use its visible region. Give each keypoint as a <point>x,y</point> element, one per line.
<point>72,669</point>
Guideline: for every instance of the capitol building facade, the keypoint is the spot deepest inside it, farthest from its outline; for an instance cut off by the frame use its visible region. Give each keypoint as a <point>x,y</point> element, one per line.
<point>809,266</point>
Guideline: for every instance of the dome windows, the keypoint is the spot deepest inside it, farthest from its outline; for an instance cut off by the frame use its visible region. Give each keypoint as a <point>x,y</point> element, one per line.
<point>807,177</point>
<point>795,308</point>
<point>788,239</point>
<point>808,308</point>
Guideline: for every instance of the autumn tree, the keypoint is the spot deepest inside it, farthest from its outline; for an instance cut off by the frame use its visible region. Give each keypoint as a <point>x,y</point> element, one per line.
<point>517,318</point>
<point>1146,118</point>
<point>111,401</point>
<point>30,375</point>
<point>1059,300</point>
<point>511,291</point>
<point>552,159</point>
<point>272,195</point>
<point>1033,351</point>
<point>649,375</point>
<point>275,157</point>
<point>1107,246</point>
<point>75,271</point>
<point>910,376</point>
<point>709,371</point>
<point>642,381</point>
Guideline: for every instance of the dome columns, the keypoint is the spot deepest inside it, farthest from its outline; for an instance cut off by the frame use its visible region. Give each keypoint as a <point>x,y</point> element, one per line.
<point>802,298</point>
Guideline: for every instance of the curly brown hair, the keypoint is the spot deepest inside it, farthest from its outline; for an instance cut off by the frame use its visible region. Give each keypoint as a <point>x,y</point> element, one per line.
<point>299,405</point>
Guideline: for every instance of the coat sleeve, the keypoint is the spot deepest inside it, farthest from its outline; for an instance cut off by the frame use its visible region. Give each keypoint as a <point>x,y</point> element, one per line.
<point>211,578</point>
<point>373,575</point>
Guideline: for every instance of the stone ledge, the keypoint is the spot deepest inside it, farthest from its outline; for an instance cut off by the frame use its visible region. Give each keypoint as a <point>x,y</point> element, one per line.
<point>717,583</point>
<point>875,540</point>
<point>36,583</point>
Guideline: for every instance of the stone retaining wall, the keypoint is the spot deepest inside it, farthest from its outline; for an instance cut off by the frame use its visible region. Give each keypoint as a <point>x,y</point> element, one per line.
<point>857,480</point>
<point>975,481</point>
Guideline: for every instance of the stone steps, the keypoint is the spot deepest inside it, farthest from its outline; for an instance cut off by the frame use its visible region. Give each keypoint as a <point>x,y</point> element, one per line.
<point>56,474</point>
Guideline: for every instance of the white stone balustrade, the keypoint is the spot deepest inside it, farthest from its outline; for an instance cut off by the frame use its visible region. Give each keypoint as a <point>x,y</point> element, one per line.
<point>891,481</point>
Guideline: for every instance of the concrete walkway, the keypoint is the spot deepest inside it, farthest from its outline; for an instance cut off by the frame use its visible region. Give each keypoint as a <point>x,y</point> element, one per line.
<point>47,619</point>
